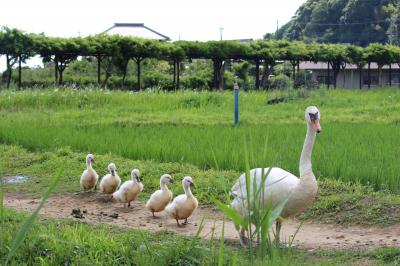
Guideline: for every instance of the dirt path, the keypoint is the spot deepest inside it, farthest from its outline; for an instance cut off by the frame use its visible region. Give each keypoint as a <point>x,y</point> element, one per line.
<point>310,236</point>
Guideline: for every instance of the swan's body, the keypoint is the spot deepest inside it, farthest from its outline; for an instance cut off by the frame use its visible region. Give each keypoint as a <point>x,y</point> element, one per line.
<point>281,185</point>
<point>160,199</point>
<point>110,182</point>
<point>89,176</point>
<point>183,205</point>
<point>130,189</point>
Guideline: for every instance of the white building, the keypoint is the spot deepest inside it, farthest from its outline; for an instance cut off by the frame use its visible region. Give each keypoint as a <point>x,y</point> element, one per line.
<point>350,76</point>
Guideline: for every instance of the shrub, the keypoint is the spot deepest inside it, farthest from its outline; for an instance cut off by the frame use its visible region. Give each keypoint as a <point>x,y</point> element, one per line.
<point>280,82</point>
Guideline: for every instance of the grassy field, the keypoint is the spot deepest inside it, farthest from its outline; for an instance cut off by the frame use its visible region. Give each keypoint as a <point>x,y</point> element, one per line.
<point>75,243</point>
<point>358,143</point>
<point>191,133</point>
<point>337,201</point>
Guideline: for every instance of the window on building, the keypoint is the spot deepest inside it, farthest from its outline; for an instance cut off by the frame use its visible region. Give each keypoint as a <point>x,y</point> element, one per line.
<point>395,78</point>
<point>323,79</point>
<point>374,79</point>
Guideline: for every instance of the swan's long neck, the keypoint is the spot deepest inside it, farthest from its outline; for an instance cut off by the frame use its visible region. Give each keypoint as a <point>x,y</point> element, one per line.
<point>163,186</point>
<point>305,158</point>
<point>188,192</point>
<point>88,165</point>
<point>305,191</point>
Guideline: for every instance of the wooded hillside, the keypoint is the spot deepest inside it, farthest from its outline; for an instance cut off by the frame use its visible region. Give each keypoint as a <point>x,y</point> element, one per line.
<point>345,21</point>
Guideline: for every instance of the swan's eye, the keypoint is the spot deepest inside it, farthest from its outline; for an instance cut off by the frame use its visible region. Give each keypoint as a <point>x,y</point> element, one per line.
<point>314,117</point>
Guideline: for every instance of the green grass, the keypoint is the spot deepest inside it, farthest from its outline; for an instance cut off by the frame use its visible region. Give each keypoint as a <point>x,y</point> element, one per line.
<point>75,243</point>
<point>337,201</point>
<point>360,129</point>
<point>378,256</point>
<point>62,242</point>
<point>191,133</point>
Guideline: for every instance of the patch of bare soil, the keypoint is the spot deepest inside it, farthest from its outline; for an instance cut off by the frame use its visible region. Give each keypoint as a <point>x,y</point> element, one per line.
<point>97,208</point>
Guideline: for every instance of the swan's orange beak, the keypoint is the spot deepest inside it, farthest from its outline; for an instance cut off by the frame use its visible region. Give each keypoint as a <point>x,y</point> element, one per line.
<point>316,126</point>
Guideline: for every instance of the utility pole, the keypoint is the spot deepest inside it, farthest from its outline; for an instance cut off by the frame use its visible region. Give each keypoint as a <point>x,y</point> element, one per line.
<point>220,32</point>
<point>236,101</point>
<point>277,29</point>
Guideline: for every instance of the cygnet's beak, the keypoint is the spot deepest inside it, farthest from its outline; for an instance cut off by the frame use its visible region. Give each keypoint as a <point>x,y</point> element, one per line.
<point>171,180</point>
<point>316,126</point>
<point>192,185</point>
<point>112,172</point>
<point>138,178</point>
<point>93,160</point>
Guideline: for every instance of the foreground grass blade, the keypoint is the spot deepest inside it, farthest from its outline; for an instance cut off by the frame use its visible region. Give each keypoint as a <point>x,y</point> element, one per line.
<point>28,223</point>
<point>1,211</point>
<point>221,245</point>
<point>231,214</point>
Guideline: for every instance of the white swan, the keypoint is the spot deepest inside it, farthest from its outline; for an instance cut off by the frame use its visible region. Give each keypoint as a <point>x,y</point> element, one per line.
<point>183,205</point>
<point>110,182</point>
<point>130,189</point>
<point>89,176</point>
<point>280,184</point>
<point>159,199</point>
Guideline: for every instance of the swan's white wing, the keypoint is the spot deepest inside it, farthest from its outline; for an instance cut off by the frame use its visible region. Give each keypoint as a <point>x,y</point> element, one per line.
<point>278,185</point>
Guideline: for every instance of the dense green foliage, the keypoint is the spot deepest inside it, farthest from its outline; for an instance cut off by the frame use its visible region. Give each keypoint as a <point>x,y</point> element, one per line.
<point>114,53</point>
<point>360,128</point>
<point>357,22</point>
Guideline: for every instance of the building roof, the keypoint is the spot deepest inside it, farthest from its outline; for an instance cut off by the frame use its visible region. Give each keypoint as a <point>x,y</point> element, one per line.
<point>136,30</point>
<point>323,66</point>
<point>242,40</point>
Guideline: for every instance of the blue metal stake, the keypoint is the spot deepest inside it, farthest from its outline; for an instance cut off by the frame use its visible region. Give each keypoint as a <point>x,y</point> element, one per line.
<point>236,101</point>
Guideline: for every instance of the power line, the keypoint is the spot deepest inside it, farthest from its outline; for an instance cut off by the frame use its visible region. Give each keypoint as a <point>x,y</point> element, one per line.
<point>344,24</point>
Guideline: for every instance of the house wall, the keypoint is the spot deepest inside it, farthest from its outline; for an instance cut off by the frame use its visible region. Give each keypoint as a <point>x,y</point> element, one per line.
<point>349,78</point>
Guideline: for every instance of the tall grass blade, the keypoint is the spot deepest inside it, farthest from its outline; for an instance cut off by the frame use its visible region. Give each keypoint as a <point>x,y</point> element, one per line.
<point>1,210</point>
<point>28,223</point>
<point>221,245</point>
<point>291,239</point>
<point>231,214</point>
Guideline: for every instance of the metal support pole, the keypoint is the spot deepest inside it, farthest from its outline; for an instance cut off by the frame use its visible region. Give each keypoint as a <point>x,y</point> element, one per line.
<point>236,101</point>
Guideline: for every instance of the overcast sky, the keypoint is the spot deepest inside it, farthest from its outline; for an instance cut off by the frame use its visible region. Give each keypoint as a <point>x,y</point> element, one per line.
<point>178,19</point>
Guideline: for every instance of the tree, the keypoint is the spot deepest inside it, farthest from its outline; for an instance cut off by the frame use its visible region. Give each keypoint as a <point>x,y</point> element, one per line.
<point>394,27</point>
<point>334,55</point>
<point>102,47</point>
<point>175,53</point>
<point>355,54</point>
<point>294,52</point>
<point>61,51</point>
<point>357,22</point>
<point>380,54</point>
<point>17,47</point>
<point>263,52</point>
<point>219,52</point>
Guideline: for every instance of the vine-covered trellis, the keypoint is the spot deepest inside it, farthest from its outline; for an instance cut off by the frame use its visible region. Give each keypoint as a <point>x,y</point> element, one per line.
<point>118,51</point>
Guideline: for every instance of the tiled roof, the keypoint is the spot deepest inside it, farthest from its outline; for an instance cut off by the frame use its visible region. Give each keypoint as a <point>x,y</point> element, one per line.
<point>136,30</point>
